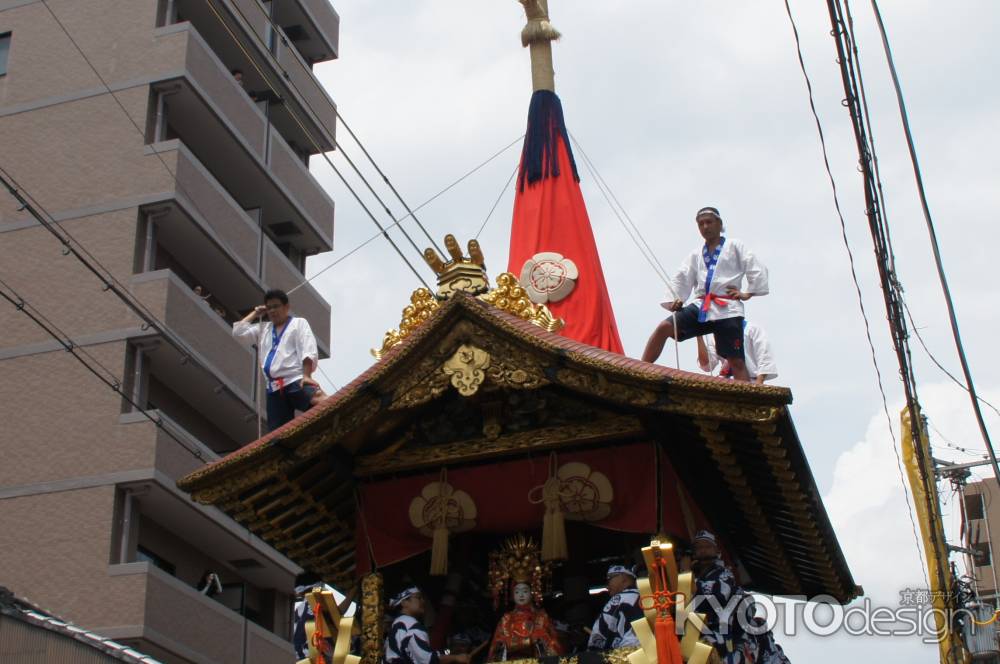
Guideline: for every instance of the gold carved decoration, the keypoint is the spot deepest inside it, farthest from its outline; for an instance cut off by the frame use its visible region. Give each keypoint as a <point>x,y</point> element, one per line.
<point>460,274</point>
<point>466,275</point>
<point>597,383</point>
<point>405,458</point>
<point>422,305</point>
<point>510,297</point>
<point>372,608</point>
<point>510,366</point>
<point>467,368</point>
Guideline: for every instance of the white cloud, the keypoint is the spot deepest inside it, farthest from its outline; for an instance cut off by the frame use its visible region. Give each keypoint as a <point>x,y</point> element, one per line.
<point>868,509</point>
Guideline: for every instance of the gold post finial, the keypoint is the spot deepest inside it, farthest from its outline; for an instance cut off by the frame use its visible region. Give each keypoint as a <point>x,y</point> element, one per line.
<point>538,35</point>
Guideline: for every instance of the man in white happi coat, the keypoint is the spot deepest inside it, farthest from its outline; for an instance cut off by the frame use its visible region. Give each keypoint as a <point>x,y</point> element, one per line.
<point>714,274</point>
<point>288,356</point>
<point>757,355</point>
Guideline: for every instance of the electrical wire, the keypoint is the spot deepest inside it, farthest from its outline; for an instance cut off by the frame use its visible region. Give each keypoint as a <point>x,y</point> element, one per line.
<point>923,344</point>
<point>398,221</point>
<point>854,278</point>
<point>88,361</point>
<point>319,150</point>
<point>932,234</point>
<point>73,247</point>
<point>277,29</point>
<point>148,314</point>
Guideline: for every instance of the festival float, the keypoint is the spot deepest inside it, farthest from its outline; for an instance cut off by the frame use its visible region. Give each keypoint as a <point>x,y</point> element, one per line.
<point>503,439</point>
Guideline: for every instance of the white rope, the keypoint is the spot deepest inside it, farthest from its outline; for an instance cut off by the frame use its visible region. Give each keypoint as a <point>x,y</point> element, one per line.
<point>650,257</point>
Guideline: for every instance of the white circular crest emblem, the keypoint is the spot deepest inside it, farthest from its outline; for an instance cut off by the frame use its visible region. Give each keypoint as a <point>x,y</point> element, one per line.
<point>548,277</point>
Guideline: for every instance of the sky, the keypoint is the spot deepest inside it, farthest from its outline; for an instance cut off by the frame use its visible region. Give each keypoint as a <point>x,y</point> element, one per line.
<point>682,105</point>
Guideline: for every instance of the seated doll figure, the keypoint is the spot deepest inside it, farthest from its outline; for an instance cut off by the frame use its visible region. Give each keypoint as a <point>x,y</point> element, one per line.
<point>525,631</point>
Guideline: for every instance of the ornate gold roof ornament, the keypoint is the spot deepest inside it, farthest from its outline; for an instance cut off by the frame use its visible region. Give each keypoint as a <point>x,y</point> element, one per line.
<point>466,275</point>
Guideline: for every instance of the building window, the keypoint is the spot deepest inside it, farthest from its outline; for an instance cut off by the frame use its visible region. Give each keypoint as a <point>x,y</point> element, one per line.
<point>145,555</point>
<point>973,506</point>
<point>4,51</point>
<point>982,557</point>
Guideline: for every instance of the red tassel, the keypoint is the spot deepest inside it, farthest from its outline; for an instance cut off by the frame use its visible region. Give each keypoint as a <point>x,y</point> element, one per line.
<point>668,648</point>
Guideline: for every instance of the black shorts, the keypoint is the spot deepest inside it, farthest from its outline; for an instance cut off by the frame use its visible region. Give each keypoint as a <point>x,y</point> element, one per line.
<point>728,331</point>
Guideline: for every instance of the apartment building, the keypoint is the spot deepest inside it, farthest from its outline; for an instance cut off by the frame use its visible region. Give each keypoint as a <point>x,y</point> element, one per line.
<point>171,139</point>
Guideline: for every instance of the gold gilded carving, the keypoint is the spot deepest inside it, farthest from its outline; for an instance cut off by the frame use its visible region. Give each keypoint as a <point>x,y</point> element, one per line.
<point>598,384</point>
<point>341,424</point>
<point>467,369</point>
<point>510,297</point>
<point>537,439</point>
<point>492,417</point>
<point>372,609</point>
<point>422,305</point>
<point>510,366</point>
<point>244,480</point>
<point>460,274</point>
<point>518,370</point>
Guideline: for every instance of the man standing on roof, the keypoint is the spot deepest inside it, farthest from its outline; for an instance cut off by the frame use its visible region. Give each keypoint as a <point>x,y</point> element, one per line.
<point>613,628</point>
<point>288,356</point>
<point>714,273</point>
<point>407,641</point>
<point>757,355</point>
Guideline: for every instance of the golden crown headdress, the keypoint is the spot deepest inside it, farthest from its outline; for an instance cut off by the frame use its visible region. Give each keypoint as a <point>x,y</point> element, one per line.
<point>518,561</point>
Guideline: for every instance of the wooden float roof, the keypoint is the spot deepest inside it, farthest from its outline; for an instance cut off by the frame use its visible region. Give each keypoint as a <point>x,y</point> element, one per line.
<point>733,443</point>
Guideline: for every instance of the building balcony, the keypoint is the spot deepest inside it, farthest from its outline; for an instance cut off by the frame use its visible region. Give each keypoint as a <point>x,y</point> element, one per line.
<point>180,622</point>
<point>197,100</point>
<point>313,26</point>
<point>227,400</point>
<point>220,245</point>
<point>308,32</point>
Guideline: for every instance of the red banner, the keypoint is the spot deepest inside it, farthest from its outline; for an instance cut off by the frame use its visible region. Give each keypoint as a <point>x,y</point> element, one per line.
<point>613,488</point>
<point>550,217</point>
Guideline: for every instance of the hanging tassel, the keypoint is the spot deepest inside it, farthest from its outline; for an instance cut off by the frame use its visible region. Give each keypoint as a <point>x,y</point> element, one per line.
<point>553,523</point>
<point>439,541</point>
<point>668,648</point>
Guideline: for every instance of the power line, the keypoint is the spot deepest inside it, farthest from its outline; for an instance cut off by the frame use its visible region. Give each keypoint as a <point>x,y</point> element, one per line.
<point>319,150</point>
<point>398,221</point>
<point>940,366</point>
<point>854,276</point>
<point>88,361</point>
<point>279,30</point>
<point>932,234</point>
<point>71,246</point>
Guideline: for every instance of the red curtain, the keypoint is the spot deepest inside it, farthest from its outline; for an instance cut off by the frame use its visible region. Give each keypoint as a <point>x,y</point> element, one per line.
<point>551,216</point>
<point>501,491</point>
